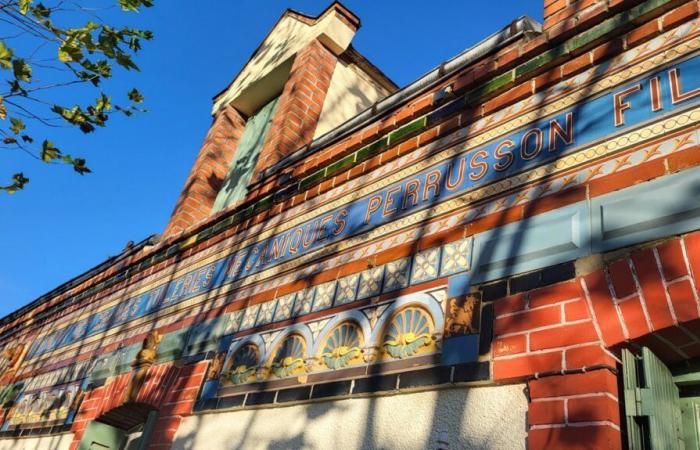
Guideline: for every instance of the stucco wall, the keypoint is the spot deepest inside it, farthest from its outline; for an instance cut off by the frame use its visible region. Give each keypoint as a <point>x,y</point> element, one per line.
<point>351,92</point>
<point>481,417</point>
<point>60,442</point>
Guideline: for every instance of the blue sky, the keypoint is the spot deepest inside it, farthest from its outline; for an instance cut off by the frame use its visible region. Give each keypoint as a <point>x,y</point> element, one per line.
<point>63,224</point>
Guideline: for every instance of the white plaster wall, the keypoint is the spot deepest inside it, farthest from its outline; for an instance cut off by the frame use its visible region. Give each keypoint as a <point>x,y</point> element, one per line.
<point>58,442</point>
<point>475,418</point>
<point>351,91</point>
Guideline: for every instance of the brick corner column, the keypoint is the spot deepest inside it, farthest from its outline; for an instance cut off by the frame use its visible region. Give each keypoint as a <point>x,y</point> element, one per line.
<point>208,172</point>
<point>579,410</point>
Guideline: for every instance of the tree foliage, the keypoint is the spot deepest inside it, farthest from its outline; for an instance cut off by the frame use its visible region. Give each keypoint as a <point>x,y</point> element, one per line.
<point>41,52</point>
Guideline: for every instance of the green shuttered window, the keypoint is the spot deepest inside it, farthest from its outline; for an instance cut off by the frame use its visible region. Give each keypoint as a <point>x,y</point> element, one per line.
<point>236,183</point>
<point>652,404</point>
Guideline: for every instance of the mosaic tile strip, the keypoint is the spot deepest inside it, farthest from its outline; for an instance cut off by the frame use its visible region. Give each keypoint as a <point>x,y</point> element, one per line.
<point>267,311</point>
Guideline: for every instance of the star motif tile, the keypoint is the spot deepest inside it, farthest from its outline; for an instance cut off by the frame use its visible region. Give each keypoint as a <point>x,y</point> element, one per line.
<point>347,289</point>
<point>324,296</point>
<point>456,256</point>
<point>425,265</point>
<point>267,311</point>
<point>284,307</point>
<point>303,303</point>
<point>234,321</point>
<point>396,274</point>
<point>251,313</point>
<point>370,282</point>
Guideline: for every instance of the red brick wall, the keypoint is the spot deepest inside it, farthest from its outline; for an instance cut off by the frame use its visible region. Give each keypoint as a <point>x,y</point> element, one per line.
<point>563,339</point>
<point>171,390</point>
<point>300,104</point>
<point>208,172</point>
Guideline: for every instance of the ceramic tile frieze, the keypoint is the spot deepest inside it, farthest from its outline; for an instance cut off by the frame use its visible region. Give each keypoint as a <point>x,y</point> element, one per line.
<point>263,255</point>
<point>405,327</point>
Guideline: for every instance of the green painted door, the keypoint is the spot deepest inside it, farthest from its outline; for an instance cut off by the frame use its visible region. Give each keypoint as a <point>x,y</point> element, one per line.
<point>690,413</point>
<point>236,182</point>
<point>652,404</point>
<point>100,436</point>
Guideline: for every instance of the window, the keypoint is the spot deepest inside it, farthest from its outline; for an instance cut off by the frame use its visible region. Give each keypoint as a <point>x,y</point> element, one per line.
<point>236,183</point>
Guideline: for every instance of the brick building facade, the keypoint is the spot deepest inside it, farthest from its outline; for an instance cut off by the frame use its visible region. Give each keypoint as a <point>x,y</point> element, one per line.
<point>502,254</point>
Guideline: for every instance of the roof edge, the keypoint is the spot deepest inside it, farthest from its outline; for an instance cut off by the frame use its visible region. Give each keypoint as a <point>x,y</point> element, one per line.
<point>489,45</point>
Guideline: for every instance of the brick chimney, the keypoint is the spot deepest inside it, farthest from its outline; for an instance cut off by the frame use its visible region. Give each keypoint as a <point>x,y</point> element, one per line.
<point>299,63</point>
<point>300,104</point>
<point>208,172</point>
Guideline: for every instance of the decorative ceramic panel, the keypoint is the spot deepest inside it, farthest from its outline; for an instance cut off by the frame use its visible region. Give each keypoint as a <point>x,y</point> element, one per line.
<point>285,305</point>
<point>425,265</point>
<point>370,282</point>
<point>396,274</point>
<point>234,321</point>
<point>347,289</point>
<point>250,316</point>
<point>343,346</point>
<point>324,296</point>
<point>456,256</point>
<point>409,333</point>
<point>289,358</point>
<point>267,311</point>
<point>47,406</point>
<point>244,365</point>
<point>303,303</point>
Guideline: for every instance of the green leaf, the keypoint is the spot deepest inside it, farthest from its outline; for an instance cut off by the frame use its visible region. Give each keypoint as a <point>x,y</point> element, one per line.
<point>3,108</point>
<point>135,96</point>
<point>40,11</point>
<point>18,182</point>
<point>24,6</point>
<point>125,61</point>
<point>5,56</point>
<point>103,103</point>
<point>80,167</point>
<point>17,125</point>
<point>22,70</point>
<point>15,87</point>
<point>69,52</point>
<point>49,152</point>
<point>134,5</point>
<point>9,140</point>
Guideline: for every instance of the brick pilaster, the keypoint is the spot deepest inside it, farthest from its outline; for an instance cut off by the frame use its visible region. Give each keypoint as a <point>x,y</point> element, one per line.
<point>208,172</point>
<point>575,411</point>
<point>177,403</point>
